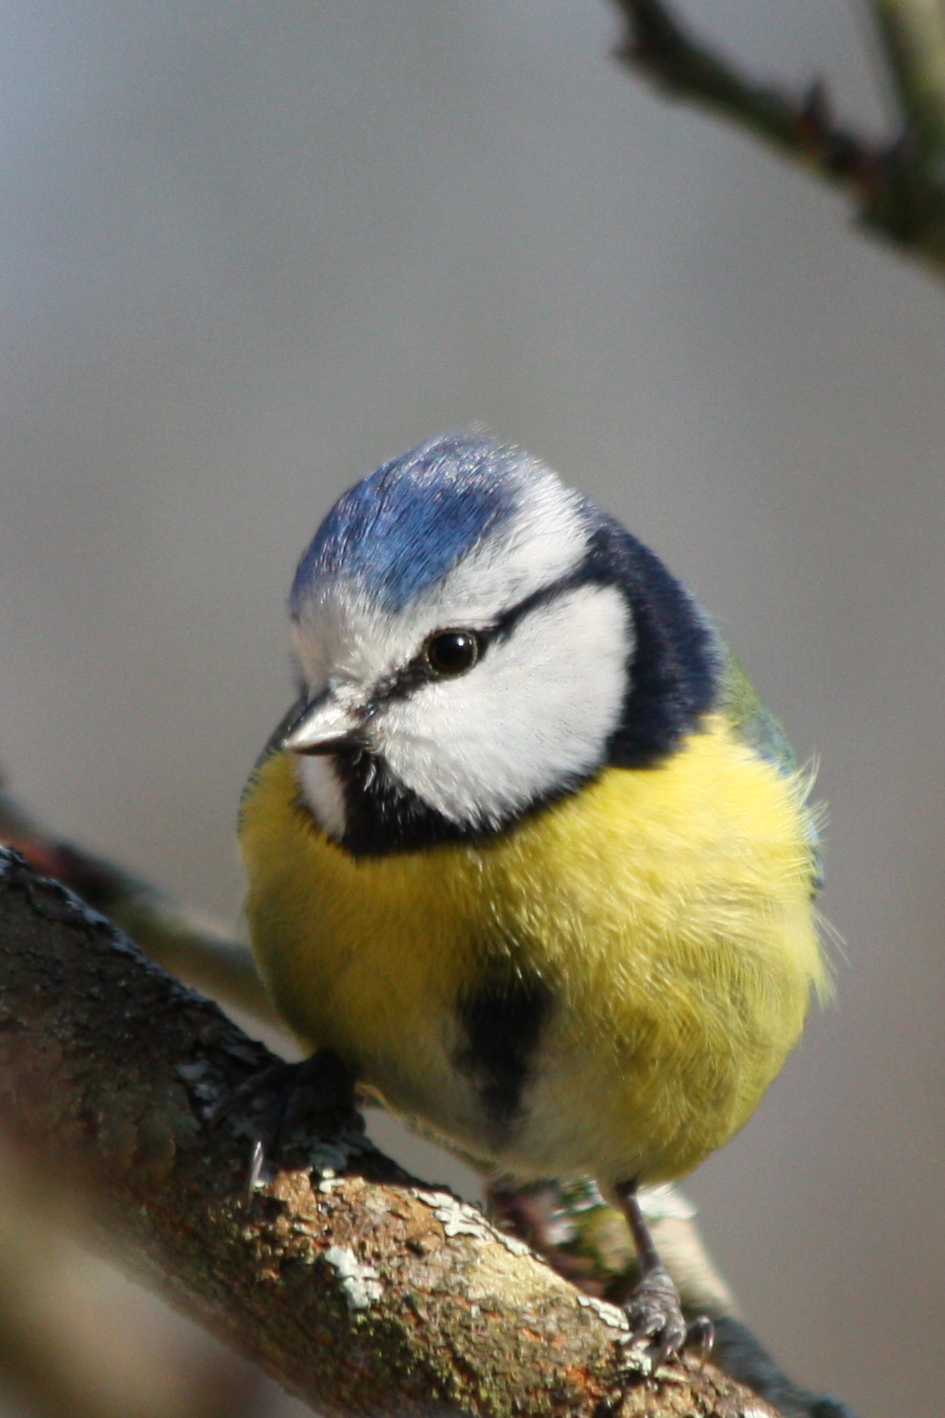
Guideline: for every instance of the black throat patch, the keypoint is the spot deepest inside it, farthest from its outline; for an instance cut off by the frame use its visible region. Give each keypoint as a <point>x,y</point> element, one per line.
<point>384,816</point>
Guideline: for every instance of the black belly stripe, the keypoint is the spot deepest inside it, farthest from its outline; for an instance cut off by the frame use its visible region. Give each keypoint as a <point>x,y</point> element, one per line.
<point>501,1021</point>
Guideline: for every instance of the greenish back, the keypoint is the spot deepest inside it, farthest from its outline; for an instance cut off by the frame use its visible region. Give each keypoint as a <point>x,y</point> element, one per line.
<point>757,727</point>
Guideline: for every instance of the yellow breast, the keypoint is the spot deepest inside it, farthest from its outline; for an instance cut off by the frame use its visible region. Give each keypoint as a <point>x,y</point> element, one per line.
<point>665,910</point>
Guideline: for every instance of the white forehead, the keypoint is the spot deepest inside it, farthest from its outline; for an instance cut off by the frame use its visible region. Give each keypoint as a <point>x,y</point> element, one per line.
<point>343,636</point>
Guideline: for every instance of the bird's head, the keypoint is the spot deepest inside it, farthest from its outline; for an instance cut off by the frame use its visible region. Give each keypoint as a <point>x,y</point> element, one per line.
<point>474,640</point>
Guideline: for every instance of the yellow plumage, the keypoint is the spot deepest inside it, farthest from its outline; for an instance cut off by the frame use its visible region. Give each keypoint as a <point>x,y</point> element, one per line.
<point>666,910</point>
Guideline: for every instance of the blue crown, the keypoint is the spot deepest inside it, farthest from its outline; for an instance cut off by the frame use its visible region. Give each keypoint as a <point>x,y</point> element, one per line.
<point>402,528</point>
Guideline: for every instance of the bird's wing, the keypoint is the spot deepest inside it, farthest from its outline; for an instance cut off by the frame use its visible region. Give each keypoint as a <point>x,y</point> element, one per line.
<point>757,727</point>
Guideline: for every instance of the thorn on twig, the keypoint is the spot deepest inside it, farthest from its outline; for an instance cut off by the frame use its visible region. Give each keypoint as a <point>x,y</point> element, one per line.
<point>816,115</point>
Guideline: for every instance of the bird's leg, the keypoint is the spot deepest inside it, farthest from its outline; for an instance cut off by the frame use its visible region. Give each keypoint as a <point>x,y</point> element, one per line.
<point>653,1308</point>
<point>317,1095</point>
<point>533,1214</point>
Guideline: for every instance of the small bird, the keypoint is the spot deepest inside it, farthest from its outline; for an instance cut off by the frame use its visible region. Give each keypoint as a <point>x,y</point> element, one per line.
<point>527,854</point>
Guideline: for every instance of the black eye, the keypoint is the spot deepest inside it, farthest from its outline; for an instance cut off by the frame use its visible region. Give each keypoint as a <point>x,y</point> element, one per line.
<point>452,652</point>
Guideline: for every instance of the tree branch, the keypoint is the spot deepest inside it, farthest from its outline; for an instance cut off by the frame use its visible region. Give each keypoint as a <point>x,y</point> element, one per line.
<point>363,1292</point>
<point>912,35</point>
<point>174,936</point>
<point>897,184</point>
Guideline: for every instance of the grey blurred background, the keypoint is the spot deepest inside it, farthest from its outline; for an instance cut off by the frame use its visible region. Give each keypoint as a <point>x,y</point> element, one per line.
<point>249,250</point>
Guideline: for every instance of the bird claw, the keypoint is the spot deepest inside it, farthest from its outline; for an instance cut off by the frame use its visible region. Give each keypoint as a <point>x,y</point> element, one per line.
<point>317,1093</point>
<point>655,1315</point>
<point>700,1335</point>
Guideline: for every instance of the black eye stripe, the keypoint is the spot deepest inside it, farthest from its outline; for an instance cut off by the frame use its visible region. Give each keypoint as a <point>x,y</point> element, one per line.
<point>419,671</point>
<point>571,581</point>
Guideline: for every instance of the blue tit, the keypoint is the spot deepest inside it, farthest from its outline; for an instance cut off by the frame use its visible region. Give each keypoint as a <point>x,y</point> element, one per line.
<point>527,854</point>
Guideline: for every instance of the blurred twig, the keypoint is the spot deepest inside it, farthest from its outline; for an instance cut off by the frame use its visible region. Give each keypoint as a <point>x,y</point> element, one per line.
<point>912,34</point>
<point>66,1353</point>
<point>175,937</point>
<point>896,183</point>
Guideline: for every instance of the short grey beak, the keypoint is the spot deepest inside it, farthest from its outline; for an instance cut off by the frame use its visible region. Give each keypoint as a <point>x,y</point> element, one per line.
<point>325,727</point>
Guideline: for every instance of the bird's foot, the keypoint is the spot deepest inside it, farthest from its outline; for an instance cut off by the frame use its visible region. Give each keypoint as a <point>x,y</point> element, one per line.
<point>289,1101</point>
<point>655,1316</point>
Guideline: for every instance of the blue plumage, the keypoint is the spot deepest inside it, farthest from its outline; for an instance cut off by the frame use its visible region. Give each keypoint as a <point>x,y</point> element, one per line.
<point>399,531</point>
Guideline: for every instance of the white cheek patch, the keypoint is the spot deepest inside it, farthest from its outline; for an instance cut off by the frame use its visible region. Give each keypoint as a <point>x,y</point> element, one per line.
<point>534,713</point>
<point>322,793</point>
